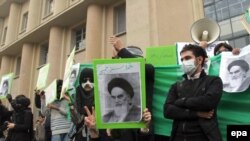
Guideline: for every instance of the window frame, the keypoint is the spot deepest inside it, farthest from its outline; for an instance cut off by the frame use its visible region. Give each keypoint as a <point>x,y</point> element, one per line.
<point>118,11</point>
<point>81,43</point>
<point>24,22</point>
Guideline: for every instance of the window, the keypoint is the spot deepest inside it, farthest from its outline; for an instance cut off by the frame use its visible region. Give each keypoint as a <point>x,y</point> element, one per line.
<point>49,5</point>
<point>24,22</point>
<point>228,15</point>
<point>18,65</point>
<point>120,19</point>
<point>43,54</point>
<point>79,37</point>
<point>4,35</point>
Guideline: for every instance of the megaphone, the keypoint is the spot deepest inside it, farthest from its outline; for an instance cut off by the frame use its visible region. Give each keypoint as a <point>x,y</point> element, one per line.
<point>205,30</point>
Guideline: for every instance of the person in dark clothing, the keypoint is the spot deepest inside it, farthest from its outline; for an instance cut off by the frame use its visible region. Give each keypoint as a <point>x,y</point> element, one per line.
<point>4,117</point>
<point>21,129</point>
<point>192,102</point>
<point>85,91</point>
<point>144,134</point>
<point>84,97</point>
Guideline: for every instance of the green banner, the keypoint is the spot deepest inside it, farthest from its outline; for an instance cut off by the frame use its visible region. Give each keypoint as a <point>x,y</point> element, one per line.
<point>161,56</point>
<point>233,108</point>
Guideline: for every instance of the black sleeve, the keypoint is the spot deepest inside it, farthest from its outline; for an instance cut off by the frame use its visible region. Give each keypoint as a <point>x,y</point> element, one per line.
<point>209,100</point>
<point>150,79</point>
<point>38,101</point>
<point>171,111</point>
<point>79,104</point>
<point>124,53</point>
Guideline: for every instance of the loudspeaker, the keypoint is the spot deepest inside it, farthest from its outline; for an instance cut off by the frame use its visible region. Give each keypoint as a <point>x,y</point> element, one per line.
<point>205,30</point>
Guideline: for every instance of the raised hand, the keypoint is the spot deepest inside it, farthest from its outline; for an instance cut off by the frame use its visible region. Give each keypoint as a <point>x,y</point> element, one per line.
<point>116,42</point>
<point>89,120</point>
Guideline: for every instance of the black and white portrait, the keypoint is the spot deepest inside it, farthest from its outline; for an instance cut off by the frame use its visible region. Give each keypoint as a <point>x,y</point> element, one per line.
<point>4,87</point>
<point>120,95</point>
<point>234,72</point>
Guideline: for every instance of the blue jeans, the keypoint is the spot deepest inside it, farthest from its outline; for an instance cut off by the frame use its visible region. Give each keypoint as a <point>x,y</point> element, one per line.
<point>60,137</point>
<point>2,139</point>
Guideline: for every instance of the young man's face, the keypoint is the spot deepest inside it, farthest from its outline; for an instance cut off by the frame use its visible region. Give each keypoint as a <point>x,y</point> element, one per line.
<point>187,55</point>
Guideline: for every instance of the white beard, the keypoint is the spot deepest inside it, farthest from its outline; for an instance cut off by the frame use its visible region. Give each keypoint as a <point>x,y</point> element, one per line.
<point>236,83</point>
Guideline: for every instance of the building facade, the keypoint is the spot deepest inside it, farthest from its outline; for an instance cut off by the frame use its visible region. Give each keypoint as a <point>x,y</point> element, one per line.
<point>36,32</point>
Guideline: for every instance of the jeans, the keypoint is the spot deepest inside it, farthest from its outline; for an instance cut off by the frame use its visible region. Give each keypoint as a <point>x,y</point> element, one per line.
<point>60,137</point>
<point>2,139</point>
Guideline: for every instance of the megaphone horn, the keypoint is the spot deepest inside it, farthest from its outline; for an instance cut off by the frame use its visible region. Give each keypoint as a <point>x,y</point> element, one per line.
<point>205,30</point>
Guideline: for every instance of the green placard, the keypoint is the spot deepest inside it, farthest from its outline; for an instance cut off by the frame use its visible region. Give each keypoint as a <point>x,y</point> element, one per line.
<point>42,77</point>
<point>162,55</point>
<point>6,83</point>
<point>129,76</point>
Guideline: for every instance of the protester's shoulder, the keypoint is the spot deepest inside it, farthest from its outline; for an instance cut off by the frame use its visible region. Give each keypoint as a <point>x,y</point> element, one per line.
<point>214,79</point>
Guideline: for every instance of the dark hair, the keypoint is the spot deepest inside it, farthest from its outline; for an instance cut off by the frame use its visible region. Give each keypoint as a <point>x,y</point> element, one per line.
<point>241,63</point>
<point>196,50</point>
<point>121,83</point>
<point>218,46</point>
<point>59,83</point>
<point>86,73</point>
<point>23,100</point>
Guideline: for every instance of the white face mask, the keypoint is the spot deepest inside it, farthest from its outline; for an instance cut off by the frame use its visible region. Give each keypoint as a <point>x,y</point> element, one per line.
<point>189,67</point>
<point>87,85</point>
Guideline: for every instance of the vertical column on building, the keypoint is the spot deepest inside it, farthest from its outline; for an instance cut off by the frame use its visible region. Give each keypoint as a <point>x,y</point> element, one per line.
<point>5,65</point>
<point>59,6</point>
<point>55,53</point>
<point>93,32</point>
<point>34,14</point>
<point>25,69</point>
<point>13,23</point>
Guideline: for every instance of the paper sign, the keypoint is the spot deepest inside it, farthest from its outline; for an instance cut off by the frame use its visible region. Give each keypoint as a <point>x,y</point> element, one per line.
<point>42,77</point>
<point>161,56</point>
<point>67,72</point>
<point>6,83</point>
<point>50,93</point>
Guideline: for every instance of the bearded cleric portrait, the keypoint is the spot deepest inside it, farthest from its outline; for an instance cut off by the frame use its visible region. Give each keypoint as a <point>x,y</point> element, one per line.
<point>121,95</point>
<point>239,79</point>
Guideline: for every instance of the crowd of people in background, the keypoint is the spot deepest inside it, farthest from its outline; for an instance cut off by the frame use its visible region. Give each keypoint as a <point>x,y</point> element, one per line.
<point>68,119</point>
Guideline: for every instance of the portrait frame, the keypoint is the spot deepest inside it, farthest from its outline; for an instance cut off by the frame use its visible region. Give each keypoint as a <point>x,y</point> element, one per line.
<point>113,68</point>
<point>9,79</point>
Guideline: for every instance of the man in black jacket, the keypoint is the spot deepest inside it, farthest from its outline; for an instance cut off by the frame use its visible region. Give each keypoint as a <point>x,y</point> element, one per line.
<point>192,103</point>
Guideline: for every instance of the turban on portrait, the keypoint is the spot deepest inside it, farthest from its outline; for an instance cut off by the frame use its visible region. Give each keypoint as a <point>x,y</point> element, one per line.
<point>242,63</point>
<point>121,83</point>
